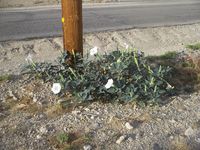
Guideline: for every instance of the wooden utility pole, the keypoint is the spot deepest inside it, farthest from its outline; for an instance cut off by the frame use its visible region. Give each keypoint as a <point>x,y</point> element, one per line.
<point>72,26</point>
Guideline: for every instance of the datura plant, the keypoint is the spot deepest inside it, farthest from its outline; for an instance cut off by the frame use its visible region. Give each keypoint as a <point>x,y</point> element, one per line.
<point>122,75</point>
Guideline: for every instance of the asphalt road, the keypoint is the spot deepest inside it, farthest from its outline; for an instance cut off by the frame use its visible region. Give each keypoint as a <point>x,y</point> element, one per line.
<point>24,23</point>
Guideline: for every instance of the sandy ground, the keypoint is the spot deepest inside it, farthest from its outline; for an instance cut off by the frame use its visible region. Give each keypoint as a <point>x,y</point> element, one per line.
<point>153,41</point>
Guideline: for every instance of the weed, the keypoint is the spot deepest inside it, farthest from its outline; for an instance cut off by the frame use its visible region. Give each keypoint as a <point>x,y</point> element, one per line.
<point>169,55</point>
<point>70,141</point>
<point>194,47</point>
<point>62,138</point>
<point>166,56</point>
<point>5,78</point>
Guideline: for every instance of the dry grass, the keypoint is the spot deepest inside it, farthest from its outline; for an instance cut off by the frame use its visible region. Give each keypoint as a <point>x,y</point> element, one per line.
<point>179,143</point>
<point>23,105</point>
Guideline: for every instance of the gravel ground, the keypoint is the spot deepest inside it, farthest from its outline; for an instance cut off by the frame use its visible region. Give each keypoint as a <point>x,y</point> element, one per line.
<point>31,117</point>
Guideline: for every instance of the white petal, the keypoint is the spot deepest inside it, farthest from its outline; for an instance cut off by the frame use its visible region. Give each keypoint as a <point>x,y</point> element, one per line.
<point>169,86</point>
<point>126,45</point>
<point>56,88</point>
<point>94,51</point>
<point>109,84</point>
<point>29,58</point>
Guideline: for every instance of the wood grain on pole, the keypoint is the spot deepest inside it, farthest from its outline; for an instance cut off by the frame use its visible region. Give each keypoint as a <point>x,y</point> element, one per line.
<point>72,26</point>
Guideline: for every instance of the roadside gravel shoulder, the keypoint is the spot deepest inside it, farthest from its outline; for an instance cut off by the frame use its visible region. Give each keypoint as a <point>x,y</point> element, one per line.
<point>32,121</point>
<point>152,41</point>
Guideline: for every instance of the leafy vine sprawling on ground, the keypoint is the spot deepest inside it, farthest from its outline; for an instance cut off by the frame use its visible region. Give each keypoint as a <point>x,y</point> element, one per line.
<point>123,75</point>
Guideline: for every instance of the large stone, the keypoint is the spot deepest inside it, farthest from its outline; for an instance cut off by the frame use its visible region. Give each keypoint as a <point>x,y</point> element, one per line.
<point>128,126</point>
<point>189,132</point>
<point>121,139</point>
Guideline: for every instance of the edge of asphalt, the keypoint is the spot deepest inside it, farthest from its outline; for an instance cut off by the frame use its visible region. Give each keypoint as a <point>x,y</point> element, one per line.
<point>95,5</point>
<point>126,28</point>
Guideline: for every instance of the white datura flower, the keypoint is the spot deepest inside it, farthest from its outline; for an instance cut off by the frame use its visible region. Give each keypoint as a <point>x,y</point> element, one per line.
<point>140,52</point>
<point>126,45</point>
<point>56,88</point>
<point>109,84</point>
<point>94,51</point>
<point>29,58</point>
<point>169,86</point>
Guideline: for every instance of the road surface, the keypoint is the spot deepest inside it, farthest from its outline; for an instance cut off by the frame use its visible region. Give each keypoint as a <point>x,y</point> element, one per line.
<point>24,23</point>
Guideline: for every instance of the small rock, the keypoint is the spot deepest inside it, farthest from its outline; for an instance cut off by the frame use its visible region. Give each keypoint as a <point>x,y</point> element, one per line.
<point>137,136</point>
<point>87,129</point>
<point>92,117</point>
<point>40,116</point>
<point>44,129</point>
<point>38,137</point>
<point>80,107</point>
<point>156,146</point>
<point>158,119</point>
<point>189,132</point>
<point>3,100</point>
<point>1,114</point>
<point>128,126</point>
<point>180,110</point>
<point>30,93</point>
<point>121,139</point>
<point>96,125</point>
<point>172,121</point>
<point>20,106</point>
<point>12,95</point>
<point>130,139</point>
<point>65,129</point>
<point>35,99</point>
<point>86,109</point>
<point>171,137</point>
<point>76,112</point>
<point>60,101</point>
<point>197,139</point>
<point>40,103</point>
<point>87,147</point>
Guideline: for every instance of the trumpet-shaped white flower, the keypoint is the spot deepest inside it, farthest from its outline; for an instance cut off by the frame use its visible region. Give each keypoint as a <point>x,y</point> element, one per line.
<point>140,52</point>
<point>29,58</point>
<point>126,45</point>
<point>109,84</point>
<point>56,88</point>
<point>169,86</point>
<point>94,51</point>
